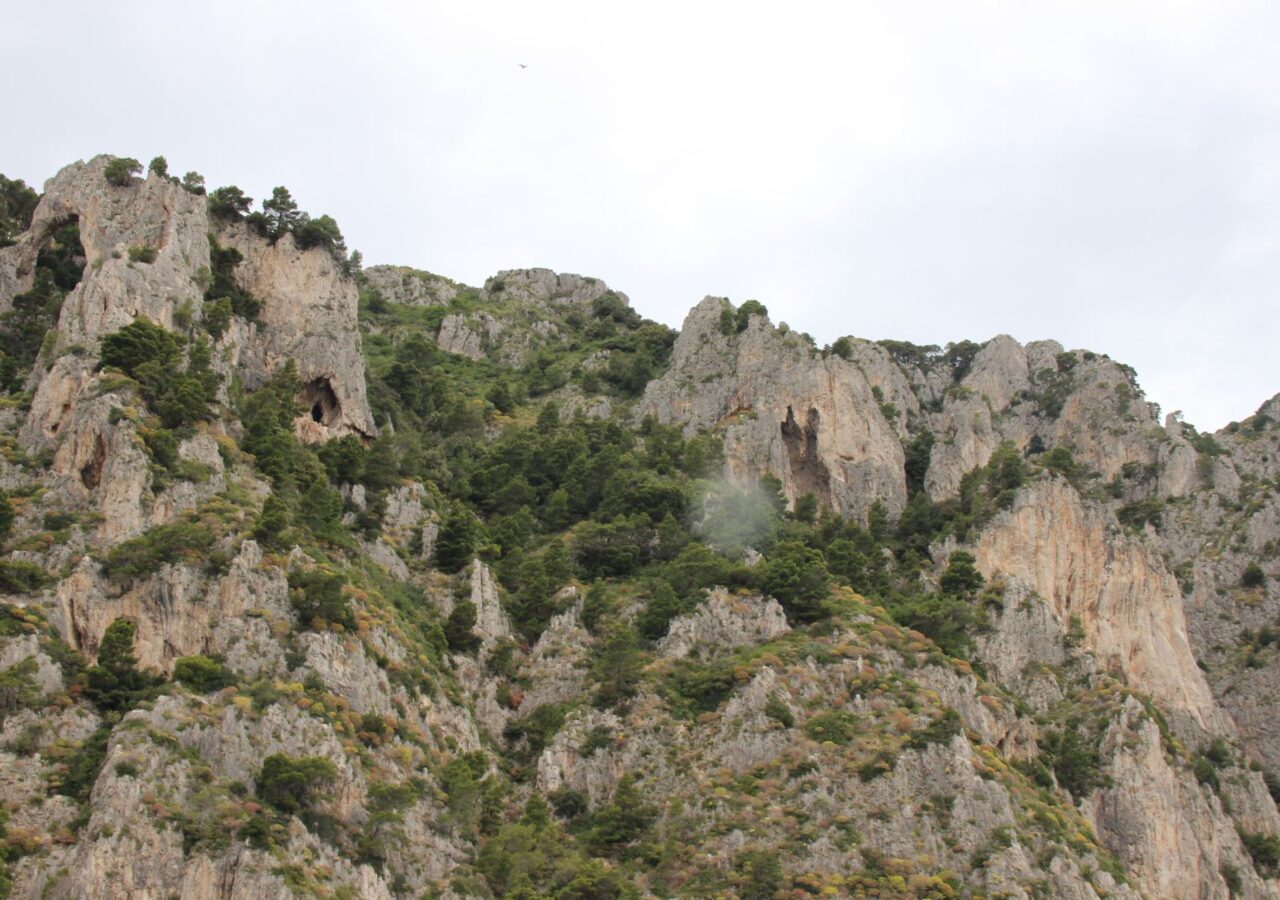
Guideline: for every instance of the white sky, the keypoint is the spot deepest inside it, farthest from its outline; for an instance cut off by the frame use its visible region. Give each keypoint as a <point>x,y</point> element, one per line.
<point>1105,174</point>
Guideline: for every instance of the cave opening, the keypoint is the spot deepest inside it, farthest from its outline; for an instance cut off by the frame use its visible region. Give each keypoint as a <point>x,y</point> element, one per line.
<point>320,399</point>
<point>91,471</point>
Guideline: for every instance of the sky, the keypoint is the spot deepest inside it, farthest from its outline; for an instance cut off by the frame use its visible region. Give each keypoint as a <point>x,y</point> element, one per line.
<point>1105,174</point>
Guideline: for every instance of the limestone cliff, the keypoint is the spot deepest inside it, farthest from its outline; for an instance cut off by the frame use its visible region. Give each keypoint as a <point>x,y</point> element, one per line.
<point>812,423</point>
<point>494,651</point>
<point>308,311</point>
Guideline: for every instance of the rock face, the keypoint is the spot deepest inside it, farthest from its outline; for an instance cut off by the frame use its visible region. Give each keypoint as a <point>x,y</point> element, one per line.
<point>1111,711</point>
<point>308,316</point>
<point>1124,600</point>
<point>724,620</point>
<point>1176,843</point>
<point>539,286</point>
<point>410,287</point>
<point>309,305</point>
<point>812,423</point>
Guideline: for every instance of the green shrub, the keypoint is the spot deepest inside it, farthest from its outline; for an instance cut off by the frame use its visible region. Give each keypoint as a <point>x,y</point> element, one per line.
<point>76,777</point>
<point>694,687</point>
<point>120,171</point>
<point>1264,850</point>
<point>459,628</point>
<point>622,821</point>
<point>796,576</point>
<point>202,673</point>
<point>142,343</point>
<point>837,726</point>
<point>945,619</point>
<point>142,254</point>
<point>961,576</point>
<point>271,527</point>
<point>217,316</point>
<point>617,667</point>
<point>143,555</point>
<point>940,731</point>
<point>115,683</point>
<point>18,576</point>
<point>223,285</point>
<point>162,445</point>
<point>1253,576</point>
<point>456,543</point>
<point>568,803</point>
<point>318,598</point>
<point>292,784</point>
<point>17,205</point>
<point>598,738</point>
<point>747,310</point>
<point>1074,759</point>
<point>879,765</point>
<point>1231,876</point>
<point>229,203</point>
<point>777,710</point>
<point>538,728</point>
<point>322,231</point>
<point>6,515</point>
<point>1137,514</point>
<point>152,357</point>
<point>759,874</point>
<point>662,607</point>
<point>728,324</point>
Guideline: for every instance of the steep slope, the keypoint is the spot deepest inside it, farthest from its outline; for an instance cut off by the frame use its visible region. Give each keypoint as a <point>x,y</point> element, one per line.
<point>600,610</point>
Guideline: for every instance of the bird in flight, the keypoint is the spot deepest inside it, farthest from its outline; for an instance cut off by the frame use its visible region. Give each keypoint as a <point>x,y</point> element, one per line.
<point>522,65</point>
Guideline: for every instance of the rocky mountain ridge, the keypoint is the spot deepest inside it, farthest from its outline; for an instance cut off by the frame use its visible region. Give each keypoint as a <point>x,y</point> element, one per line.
<point>598,609</point>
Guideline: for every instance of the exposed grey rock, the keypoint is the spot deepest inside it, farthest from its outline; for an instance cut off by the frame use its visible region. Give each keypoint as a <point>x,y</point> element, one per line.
<point>724,620</point>
<point>411,287</point>
<point>812,423</point>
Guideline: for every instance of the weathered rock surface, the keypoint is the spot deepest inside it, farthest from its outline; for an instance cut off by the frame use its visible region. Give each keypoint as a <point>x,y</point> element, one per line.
<point>411,287</point>
<point>1128,605</point>
<point>538,286</point>
<point>723,620</point>
<point>812,423</point>
<point>308,316</point>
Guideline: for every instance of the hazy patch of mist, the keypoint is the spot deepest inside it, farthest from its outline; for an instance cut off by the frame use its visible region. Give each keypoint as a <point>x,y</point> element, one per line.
<point>731,518</point>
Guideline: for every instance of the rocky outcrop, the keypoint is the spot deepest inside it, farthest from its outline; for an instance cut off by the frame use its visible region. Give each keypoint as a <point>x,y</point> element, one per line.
<point>1076,400</point>
<point>1126,603</point>
<point>492,623</point>
<point>308,315</point>
<point>153,213</point>
<point>411,287</point>
<point>812,423</point>
<point>472,336</point>
<point>1174,840</point>
<point>309,304</point>
<point>543,286</point>
<point>179,611</point>
<point>724,620</point>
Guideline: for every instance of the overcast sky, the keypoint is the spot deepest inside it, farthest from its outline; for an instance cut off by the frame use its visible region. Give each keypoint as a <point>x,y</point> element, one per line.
<point>1105,174</point>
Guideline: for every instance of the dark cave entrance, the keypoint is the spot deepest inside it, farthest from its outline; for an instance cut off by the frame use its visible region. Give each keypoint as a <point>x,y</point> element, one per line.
<point>91,472</point>
<point>321,402</point>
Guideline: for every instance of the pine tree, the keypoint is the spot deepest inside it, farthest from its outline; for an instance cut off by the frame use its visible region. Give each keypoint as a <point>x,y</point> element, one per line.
<point>455,547</point>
